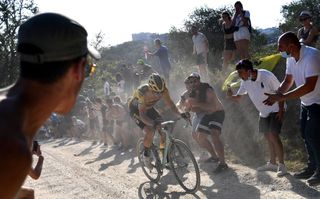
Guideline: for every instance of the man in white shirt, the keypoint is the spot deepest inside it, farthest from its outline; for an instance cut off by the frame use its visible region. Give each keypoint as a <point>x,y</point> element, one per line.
<point>201,49</point>
<point>303,70</point>
<point>256,82</point>
<point>106,87</point>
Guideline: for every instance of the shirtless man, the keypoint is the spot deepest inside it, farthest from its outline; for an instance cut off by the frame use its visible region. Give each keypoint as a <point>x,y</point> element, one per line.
<point>53,64</point>
<point>208,119</point>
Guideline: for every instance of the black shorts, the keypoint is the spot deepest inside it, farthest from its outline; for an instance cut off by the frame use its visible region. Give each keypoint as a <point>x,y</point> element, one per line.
<point>229,44</point>
<point>270,124</point>
<point>211,121</point>
<point>201,59</point>
<point>151,113</point>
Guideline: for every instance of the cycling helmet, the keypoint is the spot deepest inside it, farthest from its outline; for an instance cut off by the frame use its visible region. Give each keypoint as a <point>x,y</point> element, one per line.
<point>156,82</point>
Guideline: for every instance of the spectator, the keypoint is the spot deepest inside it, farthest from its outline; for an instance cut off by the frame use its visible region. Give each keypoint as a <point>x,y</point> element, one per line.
<point>308,34</point>
<point>303,70</point>
<point>117,112</point>
<point>106,87</point>
<point>79,128</point>
<point>256,82</point>
<point>120,86</point>
<point>142,71</point>
<point>93,119</point>
<point>34,173</point>
<point>208,119</point>
<point>53,64</point>
<point>241,20</point>
<point>127,74</point>
<point>107,124</point>
<point>229,45</point>
<point>162,53</point>
<point>201,50</point>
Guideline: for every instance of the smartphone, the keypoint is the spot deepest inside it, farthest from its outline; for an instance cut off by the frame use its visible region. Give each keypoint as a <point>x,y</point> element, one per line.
<point>35,146</point>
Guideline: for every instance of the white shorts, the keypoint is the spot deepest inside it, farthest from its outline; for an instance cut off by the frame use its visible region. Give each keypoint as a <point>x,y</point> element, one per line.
<point>242,33</point>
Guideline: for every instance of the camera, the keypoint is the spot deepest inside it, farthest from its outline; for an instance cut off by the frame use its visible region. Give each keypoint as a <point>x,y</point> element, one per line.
<point>35,146</point>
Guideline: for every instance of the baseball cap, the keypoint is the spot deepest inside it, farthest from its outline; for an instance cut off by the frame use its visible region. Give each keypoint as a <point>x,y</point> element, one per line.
<point>57,37</point>
<point>194,75</point>
<point>305,14</point>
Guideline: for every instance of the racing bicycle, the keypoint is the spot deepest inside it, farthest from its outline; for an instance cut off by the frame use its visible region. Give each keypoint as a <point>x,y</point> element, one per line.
<point>176,156</point>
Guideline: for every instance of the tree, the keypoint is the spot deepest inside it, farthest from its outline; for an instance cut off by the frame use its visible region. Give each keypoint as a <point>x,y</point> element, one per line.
<point>209,21</point>
<point>12,14</point>
<point>98,40</point>
<point>292,11</point>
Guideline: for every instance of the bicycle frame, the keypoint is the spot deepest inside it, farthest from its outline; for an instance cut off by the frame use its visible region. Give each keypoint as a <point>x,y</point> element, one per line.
<point>169,138</point>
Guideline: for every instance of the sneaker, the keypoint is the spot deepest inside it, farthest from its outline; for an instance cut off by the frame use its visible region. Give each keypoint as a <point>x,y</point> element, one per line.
<point>211,160</point>
<point>314,180</point>
<point>147,162</point>
<point>282,170</point>
<point>220,168</point>
<point>268,167</point>
<point>304,173</point>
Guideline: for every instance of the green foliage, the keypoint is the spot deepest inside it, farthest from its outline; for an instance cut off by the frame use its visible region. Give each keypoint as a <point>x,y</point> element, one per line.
<point>292,11</point>
<point>208,21</point>
<point>12,14</point>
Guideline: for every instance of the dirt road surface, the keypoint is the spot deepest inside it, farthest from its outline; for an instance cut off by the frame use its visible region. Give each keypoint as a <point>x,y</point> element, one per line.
<point>74,169</point>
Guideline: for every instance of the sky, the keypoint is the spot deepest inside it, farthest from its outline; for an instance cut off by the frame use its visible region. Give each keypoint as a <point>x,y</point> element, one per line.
<point>118,19</point>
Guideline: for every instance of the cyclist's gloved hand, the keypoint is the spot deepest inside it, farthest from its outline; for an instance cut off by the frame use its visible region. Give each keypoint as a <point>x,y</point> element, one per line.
<point>157,123</point>
<point>185,115</point>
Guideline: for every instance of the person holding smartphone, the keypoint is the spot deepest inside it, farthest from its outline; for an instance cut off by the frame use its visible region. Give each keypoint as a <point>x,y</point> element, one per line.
<point>34,172</point>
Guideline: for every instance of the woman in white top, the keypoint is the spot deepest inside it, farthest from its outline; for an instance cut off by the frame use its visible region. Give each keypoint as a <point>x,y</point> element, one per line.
<point>241,20</point>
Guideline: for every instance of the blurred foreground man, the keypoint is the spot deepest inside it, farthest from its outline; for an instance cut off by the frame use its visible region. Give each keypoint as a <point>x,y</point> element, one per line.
<point>303,70</point>
<point>53,64</point>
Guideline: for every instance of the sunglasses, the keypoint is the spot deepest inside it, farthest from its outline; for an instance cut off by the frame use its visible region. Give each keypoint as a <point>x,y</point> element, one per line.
<point>303,19</point>
<point>192,81</point>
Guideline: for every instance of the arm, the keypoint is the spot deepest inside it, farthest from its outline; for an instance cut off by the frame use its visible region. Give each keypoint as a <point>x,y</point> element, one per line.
<point>143,115</point>
<point>286,84</point>
<point>168,101</point>
<point>206,43</point>
<point>36,171</point>
<point>302,90</point>
<point>313,33</point>
<point>230,95</point>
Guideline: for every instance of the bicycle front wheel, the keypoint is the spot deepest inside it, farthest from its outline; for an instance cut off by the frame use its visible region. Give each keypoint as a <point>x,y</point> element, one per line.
<point>184,166</point>
<point>153,174</point>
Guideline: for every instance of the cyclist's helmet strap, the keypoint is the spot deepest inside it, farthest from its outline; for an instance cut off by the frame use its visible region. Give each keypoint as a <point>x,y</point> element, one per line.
<point>156,82</point>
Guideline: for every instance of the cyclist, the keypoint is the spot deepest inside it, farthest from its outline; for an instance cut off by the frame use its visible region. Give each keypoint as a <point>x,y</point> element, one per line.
<point>142,111</point>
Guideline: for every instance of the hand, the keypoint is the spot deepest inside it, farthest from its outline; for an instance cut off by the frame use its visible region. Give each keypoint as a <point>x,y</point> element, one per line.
<point>229,91</point>
<point>157,123</point>
<point>38,151</point>
<point>273,98</point>
<point>185,115</point>
<point>280,115</point>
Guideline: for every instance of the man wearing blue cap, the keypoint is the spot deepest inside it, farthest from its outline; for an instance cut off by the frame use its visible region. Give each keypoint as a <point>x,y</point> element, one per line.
<point>53,64</point>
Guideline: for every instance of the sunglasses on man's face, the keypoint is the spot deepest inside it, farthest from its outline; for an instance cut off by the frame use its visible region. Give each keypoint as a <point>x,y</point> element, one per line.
<point>303,19</point>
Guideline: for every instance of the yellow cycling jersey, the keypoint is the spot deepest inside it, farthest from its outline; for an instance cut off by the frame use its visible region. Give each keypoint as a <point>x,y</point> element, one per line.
<point>144,95</point>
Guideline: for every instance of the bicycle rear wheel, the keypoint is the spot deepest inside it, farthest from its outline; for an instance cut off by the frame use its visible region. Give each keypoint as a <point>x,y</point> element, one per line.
<point>184,166</point>
<point>155,173</point>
